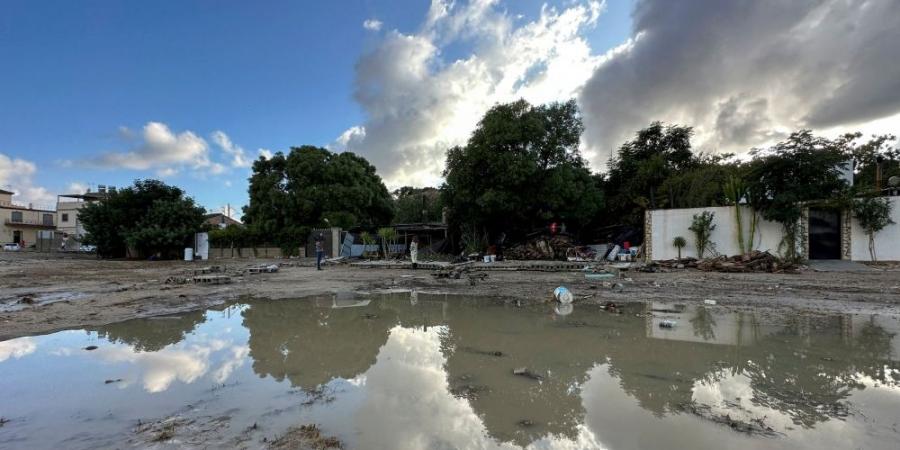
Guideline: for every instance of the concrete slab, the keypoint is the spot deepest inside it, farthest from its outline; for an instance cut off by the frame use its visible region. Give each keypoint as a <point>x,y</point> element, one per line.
<point>837,265</point>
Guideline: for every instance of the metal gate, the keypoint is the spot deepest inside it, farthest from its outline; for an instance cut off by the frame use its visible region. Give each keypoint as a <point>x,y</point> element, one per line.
<point>824,234</point>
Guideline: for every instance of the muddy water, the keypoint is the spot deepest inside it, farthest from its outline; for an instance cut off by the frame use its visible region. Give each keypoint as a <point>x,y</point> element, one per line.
<point>405,371</point>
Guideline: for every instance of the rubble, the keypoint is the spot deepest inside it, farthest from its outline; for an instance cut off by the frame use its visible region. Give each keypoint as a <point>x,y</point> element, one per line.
<point>755,261</point>
<point>543,248</point>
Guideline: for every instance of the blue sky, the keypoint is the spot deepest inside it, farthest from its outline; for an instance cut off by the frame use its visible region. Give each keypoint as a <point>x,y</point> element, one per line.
<point>269,75</point>
<point>103,92</point>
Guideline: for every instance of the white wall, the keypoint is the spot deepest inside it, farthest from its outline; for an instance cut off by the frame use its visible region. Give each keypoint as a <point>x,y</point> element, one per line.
<point>669,223</point>
<point>887,241</point>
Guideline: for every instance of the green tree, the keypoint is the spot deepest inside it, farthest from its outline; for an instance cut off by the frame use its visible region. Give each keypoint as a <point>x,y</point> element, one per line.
<point>873,214</point>
<point>520,169</point>
<point>802,169</point>
<point>413,205</point>
<point>150,217</point>
<point>702,226</point>
<point>313,187</point>
<point>643,165</point>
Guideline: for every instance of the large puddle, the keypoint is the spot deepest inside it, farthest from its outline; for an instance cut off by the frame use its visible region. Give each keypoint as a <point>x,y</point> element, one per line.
<point>407,371</point>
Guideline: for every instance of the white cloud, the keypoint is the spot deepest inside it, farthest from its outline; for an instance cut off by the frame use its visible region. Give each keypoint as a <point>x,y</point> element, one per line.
<point>169,153</point>
<point>17,175</point>
<point>238,156</point>
<point>418,104</point>
<point>746,73</point>
<point>372,24</point>
<point>159,147</point>
<point>265,153</point>
<point>77,188</point>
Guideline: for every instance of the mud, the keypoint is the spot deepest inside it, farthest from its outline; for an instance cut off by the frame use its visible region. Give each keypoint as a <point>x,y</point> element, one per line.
<point>42,293</point>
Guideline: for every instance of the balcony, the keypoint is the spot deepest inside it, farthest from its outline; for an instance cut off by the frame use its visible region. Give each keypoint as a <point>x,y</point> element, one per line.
<point>29,224</point>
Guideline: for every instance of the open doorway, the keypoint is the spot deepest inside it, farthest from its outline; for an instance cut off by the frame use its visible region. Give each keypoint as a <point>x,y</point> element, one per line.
<point>17,237</point>
<point>824,234</point>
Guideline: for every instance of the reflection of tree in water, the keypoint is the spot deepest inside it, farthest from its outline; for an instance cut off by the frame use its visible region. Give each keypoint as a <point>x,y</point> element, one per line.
<point>150,335</point>
<point>810,375</point>
<point>807,370</point>
<point>704,324</point>
<point>311,345</point>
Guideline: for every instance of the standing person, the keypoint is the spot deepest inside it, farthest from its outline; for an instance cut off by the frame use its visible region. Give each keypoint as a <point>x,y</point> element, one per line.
<point>320,250</point>
<point>414,251</point>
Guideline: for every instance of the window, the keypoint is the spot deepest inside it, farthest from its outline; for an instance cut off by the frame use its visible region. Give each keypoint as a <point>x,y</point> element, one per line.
<point>65,217</point>
<point>16,217</point>
<point>48,219</point>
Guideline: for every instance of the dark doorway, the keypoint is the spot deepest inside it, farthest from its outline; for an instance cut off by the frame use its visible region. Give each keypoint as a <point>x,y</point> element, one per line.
<point>824,234</point>
<point>17,236</point>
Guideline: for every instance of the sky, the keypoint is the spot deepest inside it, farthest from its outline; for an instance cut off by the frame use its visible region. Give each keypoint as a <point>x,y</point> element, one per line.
<point>191,92</point>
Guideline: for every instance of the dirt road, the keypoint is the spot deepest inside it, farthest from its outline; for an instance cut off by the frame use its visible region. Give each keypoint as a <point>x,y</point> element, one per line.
<point>41,293</point>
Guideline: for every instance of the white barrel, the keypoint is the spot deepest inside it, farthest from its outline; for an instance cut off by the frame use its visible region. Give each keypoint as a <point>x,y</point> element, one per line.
<point>563,295</point>
<point>188,254</point>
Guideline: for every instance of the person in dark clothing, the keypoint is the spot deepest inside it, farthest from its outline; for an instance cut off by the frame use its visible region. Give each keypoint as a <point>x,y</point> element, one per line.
<point>320,250</point>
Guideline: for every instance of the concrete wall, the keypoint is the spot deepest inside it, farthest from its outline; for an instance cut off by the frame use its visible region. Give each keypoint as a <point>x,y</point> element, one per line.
<point>887,241</point>
<point>259,252</point>
<point>666,224</point>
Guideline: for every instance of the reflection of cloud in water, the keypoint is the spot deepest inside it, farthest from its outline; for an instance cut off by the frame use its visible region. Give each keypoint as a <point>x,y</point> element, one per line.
<point>17,348</point>
<point>408,404</point>
<point>157,370</point>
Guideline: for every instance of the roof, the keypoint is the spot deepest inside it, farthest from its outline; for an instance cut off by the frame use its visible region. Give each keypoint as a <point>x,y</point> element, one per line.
<point>4,191</point>
<point>87,196</point>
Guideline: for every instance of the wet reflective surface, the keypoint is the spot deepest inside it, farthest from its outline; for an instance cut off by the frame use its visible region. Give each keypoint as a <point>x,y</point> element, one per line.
<point>405,371</point>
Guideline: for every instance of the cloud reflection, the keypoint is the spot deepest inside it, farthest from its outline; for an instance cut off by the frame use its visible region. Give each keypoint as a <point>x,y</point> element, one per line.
<point>17,348</point>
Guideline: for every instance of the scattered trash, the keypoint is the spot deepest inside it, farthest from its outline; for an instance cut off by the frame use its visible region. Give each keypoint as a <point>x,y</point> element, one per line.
<point>709,302</point>
<point>27,300</point>
<point>667,324</point>
<point>524,372</point>
<point>563,295</point>
<point>618,287</point>
<point>91,347</point>
<point>525,423</point>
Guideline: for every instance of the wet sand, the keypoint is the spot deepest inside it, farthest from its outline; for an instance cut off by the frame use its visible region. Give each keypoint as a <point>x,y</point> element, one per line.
<point>78,291</point>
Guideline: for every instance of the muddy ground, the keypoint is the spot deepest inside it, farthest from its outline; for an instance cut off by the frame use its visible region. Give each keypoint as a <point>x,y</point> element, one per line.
<point>40,293</point>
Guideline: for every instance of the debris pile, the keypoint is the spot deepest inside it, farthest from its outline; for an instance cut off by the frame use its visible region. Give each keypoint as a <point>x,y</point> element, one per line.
<point>542,248</point>
<point>756,261</point>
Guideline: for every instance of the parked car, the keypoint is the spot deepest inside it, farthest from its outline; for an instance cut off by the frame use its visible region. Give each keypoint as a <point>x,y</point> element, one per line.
<point>88,249</point>
<point>12,247</point>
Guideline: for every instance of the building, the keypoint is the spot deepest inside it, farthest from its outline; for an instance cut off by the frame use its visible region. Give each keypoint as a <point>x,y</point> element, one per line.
<point>68,205</point>
<point>220,220</point>
<point>23,223</point>
<point>823,234</point>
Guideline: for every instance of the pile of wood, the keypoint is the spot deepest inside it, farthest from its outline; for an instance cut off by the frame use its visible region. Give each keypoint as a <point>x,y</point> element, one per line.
<point>542,248</point>
<point>755,261</point>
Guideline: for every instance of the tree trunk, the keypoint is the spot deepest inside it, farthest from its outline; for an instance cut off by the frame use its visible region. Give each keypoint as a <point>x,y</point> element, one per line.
<point>872,246</point>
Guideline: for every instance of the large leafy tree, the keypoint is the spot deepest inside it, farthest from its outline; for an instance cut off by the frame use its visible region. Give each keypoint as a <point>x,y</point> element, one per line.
<point>643,165</point>
<point>803,168</point>
<point>417,205</point>
<point>521,168</point>
<point>311,187</point>
<point>149,217</point>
